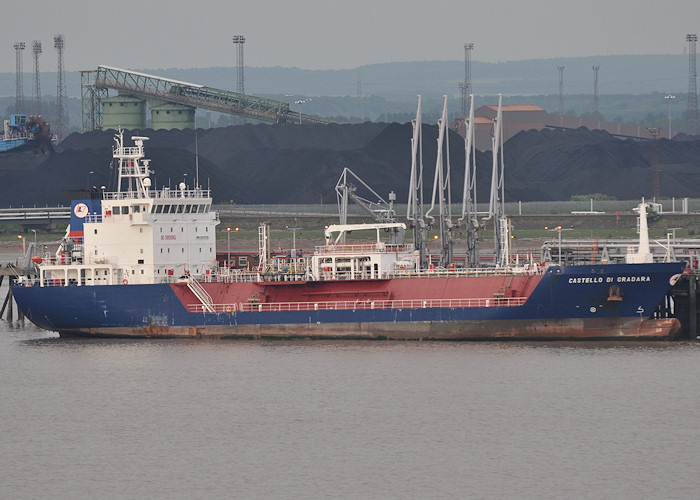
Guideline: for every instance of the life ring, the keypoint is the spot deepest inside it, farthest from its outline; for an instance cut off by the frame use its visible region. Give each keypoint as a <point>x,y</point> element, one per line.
<point>125,281</point>
<point>162,280</point>
<point>228,309</point>
<point>27,283</point>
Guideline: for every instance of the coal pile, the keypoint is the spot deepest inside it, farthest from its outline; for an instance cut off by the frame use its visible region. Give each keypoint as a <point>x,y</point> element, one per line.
<point>301,164</point>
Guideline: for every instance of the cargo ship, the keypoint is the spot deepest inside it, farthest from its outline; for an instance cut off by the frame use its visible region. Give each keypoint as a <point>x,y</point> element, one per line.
<point>141,262</point>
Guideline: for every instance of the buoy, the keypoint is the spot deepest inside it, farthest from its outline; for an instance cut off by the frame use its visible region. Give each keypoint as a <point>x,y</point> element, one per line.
<point>228,309</point>
<point>125,281</point>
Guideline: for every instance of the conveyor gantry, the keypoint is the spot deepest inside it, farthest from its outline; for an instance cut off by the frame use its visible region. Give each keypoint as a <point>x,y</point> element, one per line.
<point>191,94</point>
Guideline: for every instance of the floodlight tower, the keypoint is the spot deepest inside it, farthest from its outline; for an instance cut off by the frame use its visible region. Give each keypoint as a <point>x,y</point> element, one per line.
<point>466,85</point>
<point>19,99</point>
<point>561,89</point>
<point>61,97</point>
<point>238,41</point>
<point>595,90</point>
<point>692,40</point>
<point>36,90</point>
<point>654,132</point>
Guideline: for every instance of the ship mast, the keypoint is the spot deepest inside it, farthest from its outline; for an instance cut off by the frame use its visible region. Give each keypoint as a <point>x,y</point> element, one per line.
<point>441,190</point>
<point>501,228</point>
<point>469,212</point>
<point>133,169</point>
<point>414,212</point>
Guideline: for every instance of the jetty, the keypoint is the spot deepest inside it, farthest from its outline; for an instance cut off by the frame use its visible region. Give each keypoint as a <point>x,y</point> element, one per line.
<point>12,272</point>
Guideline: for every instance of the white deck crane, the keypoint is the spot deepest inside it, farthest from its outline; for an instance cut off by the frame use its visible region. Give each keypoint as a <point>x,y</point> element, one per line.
<point>381,210</point>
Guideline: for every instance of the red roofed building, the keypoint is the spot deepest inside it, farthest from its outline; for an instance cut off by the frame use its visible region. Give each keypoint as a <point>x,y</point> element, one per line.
<point>518,117</point>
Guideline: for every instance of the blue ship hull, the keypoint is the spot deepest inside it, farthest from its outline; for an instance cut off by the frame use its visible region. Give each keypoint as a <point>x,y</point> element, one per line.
<point>570,302</point>
<point>10,144</point>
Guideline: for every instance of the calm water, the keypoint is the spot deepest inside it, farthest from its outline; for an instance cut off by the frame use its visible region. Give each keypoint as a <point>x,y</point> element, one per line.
<point>315,419</point>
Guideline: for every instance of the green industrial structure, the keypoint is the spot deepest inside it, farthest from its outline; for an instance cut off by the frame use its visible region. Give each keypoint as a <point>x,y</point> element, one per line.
<point>172,102</point>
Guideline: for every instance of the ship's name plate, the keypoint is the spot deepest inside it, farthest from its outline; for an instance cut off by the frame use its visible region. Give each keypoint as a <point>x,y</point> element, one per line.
<point>610,279</point>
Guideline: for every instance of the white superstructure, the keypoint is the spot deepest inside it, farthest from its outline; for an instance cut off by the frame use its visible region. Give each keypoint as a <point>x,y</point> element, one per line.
<point>136,234</point>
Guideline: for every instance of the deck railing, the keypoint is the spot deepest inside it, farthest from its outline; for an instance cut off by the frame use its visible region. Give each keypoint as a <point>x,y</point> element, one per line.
<point>353,305</point>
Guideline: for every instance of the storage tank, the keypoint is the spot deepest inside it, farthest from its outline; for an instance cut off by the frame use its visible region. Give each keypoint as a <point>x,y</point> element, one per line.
<point>125,112</point>
<point>168,116</point>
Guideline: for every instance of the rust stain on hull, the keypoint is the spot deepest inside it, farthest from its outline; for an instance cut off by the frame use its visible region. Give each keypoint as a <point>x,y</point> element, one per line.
<point>568,329</point>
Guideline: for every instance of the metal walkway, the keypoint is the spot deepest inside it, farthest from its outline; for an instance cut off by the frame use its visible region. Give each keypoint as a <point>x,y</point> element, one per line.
<point>95,85</point>
<point>29,216</point>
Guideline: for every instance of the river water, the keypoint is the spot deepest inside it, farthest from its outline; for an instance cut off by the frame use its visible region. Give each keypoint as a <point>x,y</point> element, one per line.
<point>345,419</point>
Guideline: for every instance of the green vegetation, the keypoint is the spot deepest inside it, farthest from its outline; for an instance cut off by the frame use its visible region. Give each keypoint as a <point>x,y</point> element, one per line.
<point>594,197</point>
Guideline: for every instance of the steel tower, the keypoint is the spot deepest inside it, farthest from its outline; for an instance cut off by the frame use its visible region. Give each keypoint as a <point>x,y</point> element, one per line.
<point>61,97</point>
<point>466,85</point>
<point>238,41</point>
<point>595,90</point>
<point>561,89</point>
<point>692,39</point>
<point>36,90</point>
<point>19,99</point>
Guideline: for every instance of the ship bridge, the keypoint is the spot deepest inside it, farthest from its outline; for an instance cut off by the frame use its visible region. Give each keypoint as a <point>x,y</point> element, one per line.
<point>158,91</point>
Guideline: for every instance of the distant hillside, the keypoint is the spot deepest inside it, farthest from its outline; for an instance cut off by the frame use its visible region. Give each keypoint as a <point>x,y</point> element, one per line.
<point>631,88</point>
<point>301,164</point>
<point>401,81</point>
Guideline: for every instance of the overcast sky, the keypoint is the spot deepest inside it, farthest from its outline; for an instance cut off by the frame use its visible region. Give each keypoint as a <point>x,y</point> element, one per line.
<point>334,34</point>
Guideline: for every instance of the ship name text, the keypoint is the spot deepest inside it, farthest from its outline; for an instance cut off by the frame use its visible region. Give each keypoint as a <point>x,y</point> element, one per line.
<point>611,279</point>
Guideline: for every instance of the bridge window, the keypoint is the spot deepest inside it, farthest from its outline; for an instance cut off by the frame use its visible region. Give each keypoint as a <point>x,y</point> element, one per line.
<point>135,209</point>
<point>116,210</point>
<point>125,210</point>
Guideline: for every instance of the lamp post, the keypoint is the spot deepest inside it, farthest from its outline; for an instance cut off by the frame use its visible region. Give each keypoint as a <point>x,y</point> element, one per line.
<point>88,179</point>
<point>228,244</point>
<point>294,239</point>
<point>559,229</point>
<point>670,99</point>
